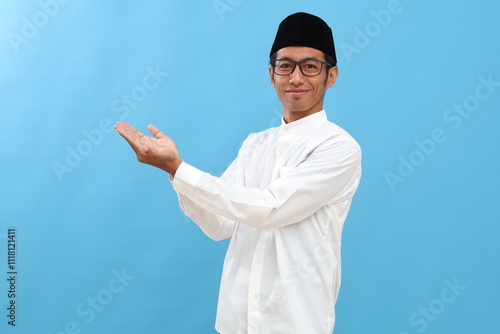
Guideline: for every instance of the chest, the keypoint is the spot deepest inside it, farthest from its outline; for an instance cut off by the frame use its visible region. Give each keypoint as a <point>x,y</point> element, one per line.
<point>270,158</point>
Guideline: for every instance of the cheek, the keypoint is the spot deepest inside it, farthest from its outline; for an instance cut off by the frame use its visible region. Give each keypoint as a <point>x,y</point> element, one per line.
<point>279,83</point>
<point>274,79</point>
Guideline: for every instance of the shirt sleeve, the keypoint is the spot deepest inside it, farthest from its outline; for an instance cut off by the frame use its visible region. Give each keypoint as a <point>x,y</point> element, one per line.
<point>330,174</point>
<point>215,226</point>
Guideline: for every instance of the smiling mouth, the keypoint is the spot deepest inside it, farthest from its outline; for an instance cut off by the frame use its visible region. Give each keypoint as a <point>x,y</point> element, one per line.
<point>297,92</point>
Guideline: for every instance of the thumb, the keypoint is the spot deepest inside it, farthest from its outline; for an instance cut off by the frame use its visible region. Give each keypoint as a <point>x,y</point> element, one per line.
<point>155,132</point>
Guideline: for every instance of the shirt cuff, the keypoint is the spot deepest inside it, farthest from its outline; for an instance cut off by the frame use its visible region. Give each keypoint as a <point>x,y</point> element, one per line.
<point>185,179</point>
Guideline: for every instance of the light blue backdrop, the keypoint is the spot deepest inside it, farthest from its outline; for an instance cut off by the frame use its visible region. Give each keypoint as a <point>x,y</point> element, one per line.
<point>101,245</point>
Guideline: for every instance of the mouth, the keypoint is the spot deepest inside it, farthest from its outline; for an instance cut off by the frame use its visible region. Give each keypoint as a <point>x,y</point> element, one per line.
<point>297,92</point>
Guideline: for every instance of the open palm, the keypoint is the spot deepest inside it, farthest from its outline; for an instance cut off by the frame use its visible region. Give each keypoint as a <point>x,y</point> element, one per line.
<point>159,151</point>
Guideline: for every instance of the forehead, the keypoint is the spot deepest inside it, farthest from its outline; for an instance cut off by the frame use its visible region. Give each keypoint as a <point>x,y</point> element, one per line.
<point>300,52</point>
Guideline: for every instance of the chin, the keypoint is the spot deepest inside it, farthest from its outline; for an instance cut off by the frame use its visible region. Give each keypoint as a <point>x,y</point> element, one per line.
<point>299,109</point>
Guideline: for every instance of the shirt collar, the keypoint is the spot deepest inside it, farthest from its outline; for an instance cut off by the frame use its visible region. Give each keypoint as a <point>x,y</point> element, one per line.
<point>305,123</point>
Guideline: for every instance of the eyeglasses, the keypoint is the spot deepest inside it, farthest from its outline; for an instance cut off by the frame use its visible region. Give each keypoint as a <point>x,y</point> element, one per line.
<point>308,67</point>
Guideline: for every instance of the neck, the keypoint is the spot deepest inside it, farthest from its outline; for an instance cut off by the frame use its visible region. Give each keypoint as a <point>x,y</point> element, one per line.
<point>291,116</point>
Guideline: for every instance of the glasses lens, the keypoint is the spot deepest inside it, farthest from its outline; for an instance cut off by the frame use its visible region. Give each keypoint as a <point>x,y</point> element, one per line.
<point>283,67</point>
<point>311,67</point>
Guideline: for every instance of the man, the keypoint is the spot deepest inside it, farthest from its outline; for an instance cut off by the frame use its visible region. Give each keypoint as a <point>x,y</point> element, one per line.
<point>283,201</point>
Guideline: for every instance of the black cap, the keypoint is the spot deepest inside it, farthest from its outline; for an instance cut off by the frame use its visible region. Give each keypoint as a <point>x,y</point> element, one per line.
<point>302,29</point>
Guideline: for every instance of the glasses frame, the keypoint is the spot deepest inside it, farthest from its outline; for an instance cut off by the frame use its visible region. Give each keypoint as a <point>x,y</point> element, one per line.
<point>295,63</point>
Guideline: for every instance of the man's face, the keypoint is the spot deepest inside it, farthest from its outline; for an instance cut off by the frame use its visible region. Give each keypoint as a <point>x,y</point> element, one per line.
<point>301,95</point>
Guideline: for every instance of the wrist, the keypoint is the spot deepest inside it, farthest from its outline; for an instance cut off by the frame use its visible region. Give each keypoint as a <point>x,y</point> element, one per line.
<point>171,167</point>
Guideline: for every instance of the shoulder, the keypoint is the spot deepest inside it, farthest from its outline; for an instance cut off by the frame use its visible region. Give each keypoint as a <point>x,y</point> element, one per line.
<point>262,136</point>
<point>332,135</point>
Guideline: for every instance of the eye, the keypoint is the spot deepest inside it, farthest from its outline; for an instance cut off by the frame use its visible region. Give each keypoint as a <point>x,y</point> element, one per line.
<point>310,66</point>
<point>285,65</point>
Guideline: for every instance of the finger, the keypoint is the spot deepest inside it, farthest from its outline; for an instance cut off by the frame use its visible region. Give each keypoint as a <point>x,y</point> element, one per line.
<point>124,128</point>
<point>155,132</point>
<point>131,135</point>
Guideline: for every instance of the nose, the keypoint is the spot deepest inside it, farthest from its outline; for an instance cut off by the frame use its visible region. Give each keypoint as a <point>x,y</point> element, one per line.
<point>296,77</point>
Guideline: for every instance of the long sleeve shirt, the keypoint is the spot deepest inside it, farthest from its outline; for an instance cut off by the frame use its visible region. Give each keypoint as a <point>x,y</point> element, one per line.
<point>283,202</point>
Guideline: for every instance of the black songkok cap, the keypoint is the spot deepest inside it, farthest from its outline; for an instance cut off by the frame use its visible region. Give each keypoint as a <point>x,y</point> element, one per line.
<point>302,29</point>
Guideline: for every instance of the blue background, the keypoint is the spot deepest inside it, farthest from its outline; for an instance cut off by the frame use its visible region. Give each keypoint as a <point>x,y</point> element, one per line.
<point>85,212</point>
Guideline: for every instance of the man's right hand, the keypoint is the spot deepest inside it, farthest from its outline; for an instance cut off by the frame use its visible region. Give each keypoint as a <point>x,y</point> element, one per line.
<point>159,151</point>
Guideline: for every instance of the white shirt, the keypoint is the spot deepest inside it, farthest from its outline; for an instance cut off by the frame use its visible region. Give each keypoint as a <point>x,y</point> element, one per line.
<point>283,203</point>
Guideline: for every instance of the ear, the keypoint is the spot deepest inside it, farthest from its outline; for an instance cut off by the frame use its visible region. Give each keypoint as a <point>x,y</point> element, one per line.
<point>332,76</point>
<point>271,76</point>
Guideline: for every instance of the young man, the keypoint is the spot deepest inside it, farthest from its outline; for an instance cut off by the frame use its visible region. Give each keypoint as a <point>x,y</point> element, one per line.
<point>284,199</point>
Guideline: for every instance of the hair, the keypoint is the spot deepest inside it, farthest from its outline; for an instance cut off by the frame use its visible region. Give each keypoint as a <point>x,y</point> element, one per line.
<point>329,59</point>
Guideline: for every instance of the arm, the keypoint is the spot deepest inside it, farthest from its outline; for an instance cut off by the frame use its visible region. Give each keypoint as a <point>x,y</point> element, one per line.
<point>330,174</point>
<point>213,225</point>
